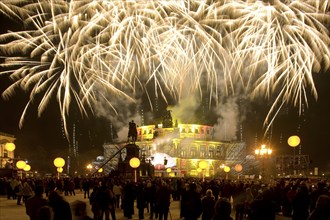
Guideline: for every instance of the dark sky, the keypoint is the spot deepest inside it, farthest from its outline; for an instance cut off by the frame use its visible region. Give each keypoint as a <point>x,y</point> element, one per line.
<point>44,136</point>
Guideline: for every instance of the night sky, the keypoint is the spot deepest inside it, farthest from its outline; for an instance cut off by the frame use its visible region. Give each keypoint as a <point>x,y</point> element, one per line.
<point>43,136</point>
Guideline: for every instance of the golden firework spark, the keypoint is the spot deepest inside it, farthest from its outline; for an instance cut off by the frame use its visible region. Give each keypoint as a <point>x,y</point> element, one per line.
<point>84,51</point>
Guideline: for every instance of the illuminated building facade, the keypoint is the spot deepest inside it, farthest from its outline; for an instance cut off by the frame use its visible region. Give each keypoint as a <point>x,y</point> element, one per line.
<point>181,148</point>
<point>6,156</point>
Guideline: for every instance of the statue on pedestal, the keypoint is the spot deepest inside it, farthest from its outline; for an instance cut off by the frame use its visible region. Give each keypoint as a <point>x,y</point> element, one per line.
<point>132,131</point>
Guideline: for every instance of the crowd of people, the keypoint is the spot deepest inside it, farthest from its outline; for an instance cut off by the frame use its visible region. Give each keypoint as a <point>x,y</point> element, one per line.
<point>215,199</point>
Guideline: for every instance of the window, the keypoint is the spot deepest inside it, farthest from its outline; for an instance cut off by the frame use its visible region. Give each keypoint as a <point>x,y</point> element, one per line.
<point>211,151</point>
<point>202,150</point>
<point>193,151</point>
<point>183,151</point>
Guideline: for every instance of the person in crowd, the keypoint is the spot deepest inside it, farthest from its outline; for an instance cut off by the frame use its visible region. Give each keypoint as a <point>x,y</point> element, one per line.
<point>222,209</point>
<point>214,186</point>
<point>248,201</point>
<point>263,207</point>
<point>290,195</point>
<point>34,203</point>
<point>117,190</point>
<point>286,205</point>
<point>141,202</point>
<point>9,189</point>
<point>322,209</point>
<point>151,199</point>
<point>128,200</point>
<point>14,187</point>
<point>59,184</point>
<point>94,203</point>
<point>71,188</point>
<point>66,186</point>
<point>106,200</point>
<point>60,207</point>
<point>208,203</point>
<point>45,213</point>
<point>27,191</point>
<point>184,192</point>
<point>163,200</point>
<point>86,188</point>
<point>300,204</point>
<point>49,185</point>
<point>79,210</point>
<point>192,203</point>
<point>227,189</point>
<point>239,197</point>
<point>19,192</point>
<point>321,189</point>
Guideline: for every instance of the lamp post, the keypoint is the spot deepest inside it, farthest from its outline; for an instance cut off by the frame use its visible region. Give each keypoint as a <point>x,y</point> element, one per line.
<point>168,171</point>
<point>227,170</point>
<point>293,142</point>
<point>199,170</point>
<point>263,152</point>
<point>59,162</point>
<point>89,168</point>
<point>203,165</point>
<point>134,163</point>
<point>20,165</point>
<point>238,168</point>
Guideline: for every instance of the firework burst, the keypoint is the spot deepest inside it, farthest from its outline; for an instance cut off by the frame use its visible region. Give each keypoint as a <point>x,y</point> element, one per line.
<point>85,51</point>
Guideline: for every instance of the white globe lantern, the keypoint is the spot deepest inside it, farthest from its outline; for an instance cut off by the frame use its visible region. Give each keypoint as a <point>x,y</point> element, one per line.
<point>20,164</point>
<point>238,167</point>
<point>226,169</point>
<point>203,165</point>
<point>59,162</point>
<point>10,147</point>
<point>27,167</point>
<point>294,141</point>
<point>134,162</point>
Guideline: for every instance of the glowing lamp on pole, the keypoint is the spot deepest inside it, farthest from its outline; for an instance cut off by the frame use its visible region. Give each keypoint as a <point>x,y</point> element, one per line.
<point>134,163</point>
<point>168,171</point>
<point>227,170</point>
<point>20,165</point>
<point>199,170</point>
<point>59,169</point>
<point>293,142</point>
<point>10,147</point>
<point>203,165</point>
<point>59,162</point>
<point>263,152</point>
<point>27,168</point>
<point>238,168</point>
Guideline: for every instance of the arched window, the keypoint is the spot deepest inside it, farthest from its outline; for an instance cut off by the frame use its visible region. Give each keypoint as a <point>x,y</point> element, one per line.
<point>211,151</point>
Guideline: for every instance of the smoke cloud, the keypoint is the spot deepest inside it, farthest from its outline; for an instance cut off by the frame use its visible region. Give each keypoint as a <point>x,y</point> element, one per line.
<point>185,110</point>
<point>227,120</point>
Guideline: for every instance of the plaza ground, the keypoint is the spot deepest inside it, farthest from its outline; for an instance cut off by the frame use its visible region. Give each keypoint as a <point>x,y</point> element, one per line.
<point>9,210</point>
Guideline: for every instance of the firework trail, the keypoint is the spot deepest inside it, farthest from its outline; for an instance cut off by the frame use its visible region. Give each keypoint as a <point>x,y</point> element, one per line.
<point>84,51</point>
